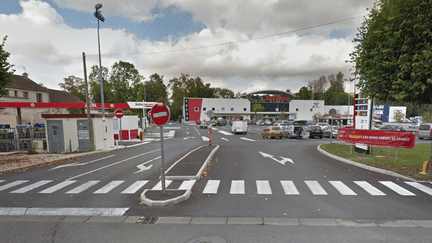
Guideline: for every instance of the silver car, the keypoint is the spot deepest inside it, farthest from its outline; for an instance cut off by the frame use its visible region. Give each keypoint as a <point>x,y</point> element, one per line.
<point>424,131</point>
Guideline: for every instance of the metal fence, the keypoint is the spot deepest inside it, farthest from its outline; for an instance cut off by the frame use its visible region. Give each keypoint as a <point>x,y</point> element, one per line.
<point>21,138</point>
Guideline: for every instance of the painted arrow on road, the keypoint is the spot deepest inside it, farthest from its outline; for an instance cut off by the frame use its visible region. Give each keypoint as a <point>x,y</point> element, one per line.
<point>142,166</point>
<point>283,161</point>
<point>187,138</point>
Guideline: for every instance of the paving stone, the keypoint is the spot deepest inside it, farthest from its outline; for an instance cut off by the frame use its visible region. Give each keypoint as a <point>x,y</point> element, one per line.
<point>352,223</point>
<point>209,220</point>
<point>132,219</point>
<point>174,220</point>
<point>398,223</point>
<point>423,223</point>
<point>281,221</point>
<point>240,220</point>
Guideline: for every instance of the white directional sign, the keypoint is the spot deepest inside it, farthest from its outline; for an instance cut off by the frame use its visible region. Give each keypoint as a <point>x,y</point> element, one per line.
<point>282,161</point>
<point>142,167</point>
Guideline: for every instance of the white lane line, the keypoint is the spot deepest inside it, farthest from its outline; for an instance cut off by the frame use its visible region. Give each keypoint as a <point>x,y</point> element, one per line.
<point>12,184</point>
<point>82,187</point>
<point>289,188</point>
<point>32,186</point>
<point>158,186</point>
<point>139,144</point>
<point>247,139</point>
<point>82,163</point>
<point>134,187</point>
<point>342,188</point>
<point>1,181</point>
<point>213,128</point>
<point>108,187</point>
<point>57,187</point>
<point>119,162</point>
<point>174,128</point>
<point>225,139</point>
<point>263,187</point>
<point>76,211</point>
<point>316,188</point>
<point>211,187</point>
<point>205,139</point>
<point>187,185</point>
<point>369,188</point>
<point>419,186</point>
<point>225,133</point>
<point>237,187</point>
<point>396,188</point>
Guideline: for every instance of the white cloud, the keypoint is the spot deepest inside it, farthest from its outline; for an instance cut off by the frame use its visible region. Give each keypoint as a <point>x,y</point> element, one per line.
<point>50,50</point>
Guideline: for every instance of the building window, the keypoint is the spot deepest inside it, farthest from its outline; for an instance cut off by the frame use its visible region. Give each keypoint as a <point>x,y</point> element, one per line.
<point>296,109</point>
<point>223,109</point>
<point>232,108</point>
<point>204,108</point>
<point>213,108</point>
<point>7,92</point>
<point>38,97</point>
<point>25,94</point>
<point>196,109</point>
<point>16,93</point>
<point>244,109</point>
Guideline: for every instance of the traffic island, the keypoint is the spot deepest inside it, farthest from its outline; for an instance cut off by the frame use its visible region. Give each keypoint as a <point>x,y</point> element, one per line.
<point>171,196</point>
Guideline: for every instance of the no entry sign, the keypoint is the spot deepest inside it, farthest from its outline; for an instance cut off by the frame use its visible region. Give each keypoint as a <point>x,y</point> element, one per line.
<point>160,114</point>
<point>119,113</point>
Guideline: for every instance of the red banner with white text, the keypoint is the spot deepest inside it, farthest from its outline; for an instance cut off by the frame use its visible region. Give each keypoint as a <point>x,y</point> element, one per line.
<point>377,138</point>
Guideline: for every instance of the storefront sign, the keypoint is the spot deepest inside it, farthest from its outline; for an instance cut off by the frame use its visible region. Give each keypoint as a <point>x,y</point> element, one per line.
<point>377,138</point>
<point>278,98</point>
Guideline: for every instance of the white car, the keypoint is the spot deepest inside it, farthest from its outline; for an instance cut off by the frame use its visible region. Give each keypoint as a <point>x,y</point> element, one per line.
<point>239,127</point>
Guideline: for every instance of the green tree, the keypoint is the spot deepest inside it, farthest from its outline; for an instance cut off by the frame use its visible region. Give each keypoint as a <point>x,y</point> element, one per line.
<point>223,93</point>
<point>123,76</point>
<point>75,86</point>
<point>394,50</point>
<point>94,81</point>
<point>303,94</point>
<point>6,70</point>
<point>257,108</point>
<point>155,89</point>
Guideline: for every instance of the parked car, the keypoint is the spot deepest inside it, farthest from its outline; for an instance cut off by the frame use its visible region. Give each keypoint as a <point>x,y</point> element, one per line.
<point>203,124</point>
<point>283,126</point>
<point>272,132</point>
<point>328,130</point>
<point>297,130</point>
<point>221,122</point>
<point>268,122</point>
<point>393,128</point>
<point>239,127</point>
<point>424,131</point>
<point>315,131</point>
<point>198,122</point>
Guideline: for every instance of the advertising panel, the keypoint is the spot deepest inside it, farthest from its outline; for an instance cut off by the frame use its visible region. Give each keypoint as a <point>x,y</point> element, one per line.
<point>377,138</point>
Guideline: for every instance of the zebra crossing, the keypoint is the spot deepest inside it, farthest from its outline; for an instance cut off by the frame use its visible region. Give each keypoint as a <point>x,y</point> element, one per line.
<point>236,187</point>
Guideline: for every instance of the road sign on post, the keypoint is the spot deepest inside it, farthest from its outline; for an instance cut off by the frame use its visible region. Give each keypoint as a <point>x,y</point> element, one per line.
<point>119,114</point>
<point>160,115</point>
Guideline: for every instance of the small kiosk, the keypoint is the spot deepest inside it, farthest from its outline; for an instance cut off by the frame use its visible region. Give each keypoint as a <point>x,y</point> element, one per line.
<point>70,132</point>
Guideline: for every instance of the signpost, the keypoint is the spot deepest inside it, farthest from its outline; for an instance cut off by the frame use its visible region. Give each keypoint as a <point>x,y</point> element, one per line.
<point>332,113</point>
<point>160,115</point>
<point>119,114</point>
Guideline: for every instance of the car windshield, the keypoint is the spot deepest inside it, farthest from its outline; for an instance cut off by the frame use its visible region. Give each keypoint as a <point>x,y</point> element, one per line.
<point>424,127</point>
<point>276,128</point>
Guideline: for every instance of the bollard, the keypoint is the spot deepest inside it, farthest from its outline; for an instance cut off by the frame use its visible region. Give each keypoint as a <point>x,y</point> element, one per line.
<point>425,168</point>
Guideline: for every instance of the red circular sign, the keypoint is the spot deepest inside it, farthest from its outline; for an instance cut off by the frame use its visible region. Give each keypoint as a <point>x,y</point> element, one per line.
<point>119,113</point>
<point>159,114</point>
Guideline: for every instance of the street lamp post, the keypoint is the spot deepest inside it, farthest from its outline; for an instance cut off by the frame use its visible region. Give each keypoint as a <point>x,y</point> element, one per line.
<point>99,16</point>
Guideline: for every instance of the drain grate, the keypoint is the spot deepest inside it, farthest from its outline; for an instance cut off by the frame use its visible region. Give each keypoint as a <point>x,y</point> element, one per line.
<point>147,220</point>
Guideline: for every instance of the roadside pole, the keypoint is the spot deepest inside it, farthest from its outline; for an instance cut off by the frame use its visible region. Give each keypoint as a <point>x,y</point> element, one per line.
<point>163,160</point>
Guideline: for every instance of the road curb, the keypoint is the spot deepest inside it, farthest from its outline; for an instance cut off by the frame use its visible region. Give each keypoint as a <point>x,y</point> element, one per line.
<point>363,166</point>
<point>174,200</point>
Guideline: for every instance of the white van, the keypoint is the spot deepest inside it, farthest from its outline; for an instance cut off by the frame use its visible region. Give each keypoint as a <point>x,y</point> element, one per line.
<point>239,127</point>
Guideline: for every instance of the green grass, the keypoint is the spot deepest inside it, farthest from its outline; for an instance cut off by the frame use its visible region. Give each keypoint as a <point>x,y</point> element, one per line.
<point>409,162</point>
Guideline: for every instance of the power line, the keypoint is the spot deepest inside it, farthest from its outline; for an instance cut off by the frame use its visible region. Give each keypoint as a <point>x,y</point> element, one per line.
<point>235,42</point>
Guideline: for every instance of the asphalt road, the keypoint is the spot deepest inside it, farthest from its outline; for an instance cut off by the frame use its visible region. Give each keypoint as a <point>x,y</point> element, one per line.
<point>240,182</point>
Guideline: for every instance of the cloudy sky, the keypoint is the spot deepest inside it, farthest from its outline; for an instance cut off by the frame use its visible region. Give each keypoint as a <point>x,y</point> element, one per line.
<point>244,46</point>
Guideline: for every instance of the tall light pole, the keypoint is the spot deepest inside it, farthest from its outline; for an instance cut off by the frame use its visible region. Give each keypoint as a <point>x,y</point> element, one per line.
<point>99,16</point>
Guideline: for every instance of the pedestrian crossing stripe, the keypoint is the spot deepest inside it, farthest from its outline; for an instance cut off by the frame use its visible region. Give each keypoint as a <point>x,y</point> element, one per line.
<point>237,187</point>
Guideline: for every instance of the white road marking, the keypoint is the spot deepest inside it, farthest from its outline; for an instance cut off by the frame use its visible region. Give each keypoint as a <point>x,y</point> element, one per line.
<point>396,188</point>
<point>225,133</point>
<point>138,144</point>
<point>12,184</point>
<point>369,188</point>
<point>342,188</point>
<point>187,185</point>
<point>79,164</point>
<point>175,128</point>
<point>158,186</point>
<point>1,181</point>
<point>225,139</point>
<point>211,187</point>
<point>419,186</point>
<point>76,211</point>
<point>289,188</point>
<point>316,188</point>
<point>134,187</point>
<point>32,186</point>
<point>263,187</point>
<point>82,187</point>
<point>142,166</point>
<point>237,187</point>
<point>205,139</point>
<point>247,139</point>
<point>103,167</point>
<point>57,187</point>
<point>108,187</point>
